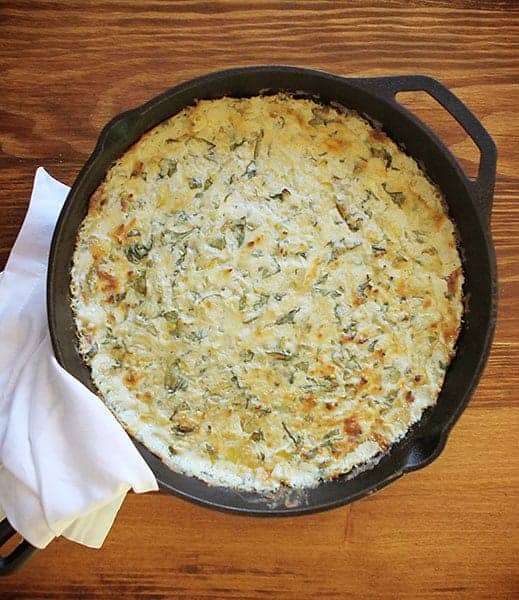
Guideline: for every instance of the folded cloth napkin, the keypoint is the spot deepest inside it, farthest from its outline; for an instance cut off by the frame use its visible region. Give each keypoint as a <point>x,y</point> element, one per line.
<point>65,462</point>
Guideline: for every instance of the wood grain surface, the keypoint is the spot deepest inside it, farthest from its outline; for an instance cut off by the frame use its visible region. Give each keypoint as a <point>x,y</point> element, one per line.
<point>447,531</point>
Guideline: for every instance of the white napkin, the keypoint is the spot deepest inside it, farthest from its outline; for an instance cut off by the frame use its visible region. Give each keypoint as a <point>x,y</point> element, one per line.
<point>65,462</point>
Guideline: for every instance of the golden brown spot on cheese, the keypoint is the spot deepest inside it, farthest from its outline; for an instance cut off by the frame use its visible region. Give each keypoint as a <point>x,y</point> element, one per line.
<point>381,440</point>
<point>131,378</point>
<point>346,337</point>
<point>97,252</point>
<point>98,199</point>
<point>324,370</point>
<point>334,145</point>
<point>378,136</point>
<point>137,168</point>
<point>401,287</point>
<point>439,218</point>
<point>351,427</point>
<point>309,402</point>
<point>452,281</point>
<point>297,116</point>
<point>449,331</point>
<point>311,274</point>
<point>358,301</point>
<point>117,233</point>
<point>145,397</point>
<point>111,282</point>
<point>409,397</point>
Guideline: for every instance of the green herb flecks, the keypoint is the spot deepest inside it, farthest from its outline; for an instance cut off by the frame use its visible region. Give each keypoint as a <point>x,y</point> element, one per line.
<point>353,222</point>
<point>323,384</point>
<point>239,231</point>
<point>173,382</point>
<point>136,252</point>
<point>236,143</point>
<point>257,436</point>
<point>295,440</point>
<point>340,312</point>
<point>288,318</point>
<point>195,183</point>
<point>340,247</point>
<point>167,167</point>
<point>320,115</point>
<point>397,197</point>
<point>280,121</point>
<point>383,154</point>
<point>267,272</point>
<point>420,236</point>
<point>118,298</point>
<point>211,450</point>
<point>280,354</point>
<point>284,194</point>
<point>197,335</point>
<point>363,287</point>
<point>333,434</point>
<point>257,143</point>
<point>219,243</point>
<point>182,429</point>
<point>246,355</point>
<point>92,351</point>
<point>171,316</point>
<point>322,279</point>
<point>173,237</point>
<point>182,257</point>
<point>378,250</point>
<point>256,308</point>
<point>251,170</point>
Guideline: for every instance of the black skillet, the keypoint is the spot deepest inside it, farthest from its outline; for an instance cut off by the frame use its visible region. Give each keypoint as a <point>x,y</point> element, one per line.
<point>469,201</point>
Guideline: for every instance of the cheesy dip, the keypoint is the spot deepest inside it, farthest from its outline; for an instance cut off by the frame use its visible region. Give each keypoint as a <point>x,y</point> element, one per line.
<point>267,291</point>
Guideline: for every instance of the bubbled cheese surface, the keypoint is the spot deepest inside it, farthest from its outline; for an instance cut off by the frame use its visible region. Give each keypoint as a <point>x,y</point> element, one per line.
<point>267,291</point>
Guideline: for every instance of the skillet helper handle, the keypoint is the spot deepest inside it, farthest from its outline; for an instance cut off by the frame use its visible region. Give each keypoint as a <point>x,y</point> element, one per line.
<point>483,184</point>
<point>16,558</point>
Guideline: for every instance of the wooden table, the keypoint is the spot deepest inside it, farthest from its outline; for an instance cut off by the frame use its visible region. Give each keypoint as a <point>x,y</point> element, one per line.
<point>449,530</point>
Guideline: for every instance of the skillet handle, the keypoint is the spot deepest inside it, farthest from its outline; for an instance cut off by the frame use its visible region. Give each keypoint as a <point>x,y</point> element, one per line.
<point>22,552</point>
<point>483,184</point>
<point>424,450</point>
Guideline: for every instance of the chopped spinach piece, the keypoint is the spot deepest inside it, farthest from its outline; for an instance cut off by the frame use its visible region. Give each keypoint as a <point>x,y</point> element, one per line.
<point>296,440</point>
<point>288,318</point>
<point>167,166</point>
<point>219,243</point>
<point>383,154</point>
<point>195,183</point>
<point>136,252</point>
<point>397,197</point>
<point>251,170</point>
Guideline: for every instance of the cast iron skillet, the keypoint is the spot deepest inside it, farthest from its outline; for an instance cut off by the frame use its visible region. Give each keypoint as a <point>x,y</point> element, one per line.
<point>469,202</point>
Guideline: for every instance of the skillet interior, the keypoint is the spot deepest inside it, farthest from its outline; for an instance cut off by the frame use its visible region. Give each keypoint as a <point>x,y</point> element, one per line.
<point>370,98</point>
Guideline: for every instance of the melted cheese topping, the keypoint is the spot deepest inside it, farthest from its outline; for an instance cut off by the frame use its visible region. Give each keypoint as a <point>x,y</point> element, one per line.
<point>267,291</point>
